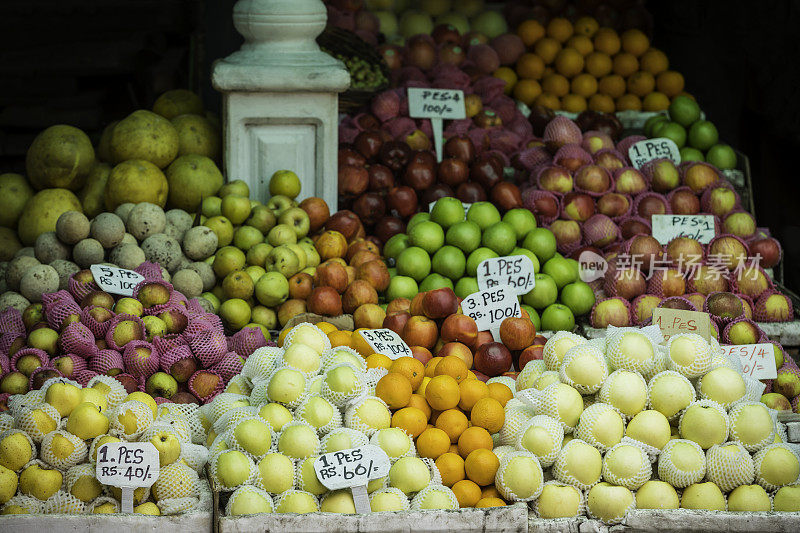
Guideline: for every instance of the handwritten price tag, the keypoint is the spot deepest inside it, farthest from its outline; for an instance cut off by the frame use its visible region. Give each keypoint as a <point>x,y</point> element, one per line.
<point>698,227</point>
<point>489,307</point>
<point>674,321</point>
<point>353,469</point>
<point>116,280</point>
<point>127,464</point>
<point>758,360</point>
<point>516,271</point>
<point>645,151</point>
<point>437,105</point>
<point>387,342</point>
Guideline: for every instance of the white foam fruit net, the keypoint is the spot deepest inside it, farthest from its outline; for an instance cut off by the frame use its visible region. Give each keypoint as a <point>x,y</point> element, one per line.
<point>176,481</point>
<point>255,448</point>
<point>601,425</point>
<point>630,350</point>
<point>402,499</point>
<point>508,482</point>
<point>79,472</point>
<point>288,436</point>
<point>584,368</point>
<point>233,416</point>
<point>377,439</point>
<point>529,374</point>
<point>331,386</point>
<point>517,415</point>
<point>356,415</point>
<point>418,501</point>
<point>194,455</point>
<point>130,419</point>
<point>597,507</point>
<point>777,465</point>
<point>558,401</point>
<point>19,402</point>
<point>690,356</point>
<point>542,436</point>
<point>371,378</point>
<point>222,403</point>
<point>729,466</point>
<point>287,386</point>
<point>248,490</point>
<point>626,391</point>
<point>576,501</point>
<point>115,391</point>
<point>683,467</point>
<point>343,354</point>
<point>301,357</point>
<point>26,420</point>
<point>29,503</point>
<point>63,503</point>
<point>316,414</point>
<point>556,347</point>
<point>220,477</point>
<point>752,425</point>
<point>342,439</point>
<point>284,499</point>
<point>238,384</point>
<point>684,429</point>
<point>176,506</point>
<point>670,396</point>
<point>261,363</point>
<point>627,465</point>
<point>308,334</point>
<point>102,500</point>
<point>6,421</point>
<point>62,450</point>
<point>276,473</point>
<point>578,464</point>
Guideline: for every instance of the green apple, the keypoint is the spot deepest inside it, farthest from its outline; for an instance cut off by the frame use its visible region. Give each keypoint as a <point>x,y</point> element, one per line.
<point>227,259</point>
<point>684,110</point>
<point>722,156</point>
<point>560,270</point>
<point>466,286</point>
<point>557,317</point>
<point>239,187</point>
<point>261,218</point>
<point>396,244</point>
<point>484,214</point>
<point>673,131</point>
<point>464,235</point>
<point>476,257</point>
<point>449,261</point>
<point>542,242</point>
<point>703,135</point>
<point>211,206</point>
<point>245,237</point>
<point>416,219</point>
<point>534,316</point>
<point>691,154</point>
<point>447,211</point>
<point>236,208</point>
<point>414,262</point>
<point>280,203</point>
<point>578,296</point>
<point>284,260</point>
<point>297,219</point>
<point>272,289</point>
<point>530,255</point>
<point>257,255</point>
<point>281,234</point>
<point>427,235</point>
<point>161,384</point>
<point>435,281</point>
<point>168,446</point>
<point>544,293</point>
<point>500,237</point>
<point>522,220</point>
<point>284,182</point>
<point>401,287</point>
<point>650,123</point>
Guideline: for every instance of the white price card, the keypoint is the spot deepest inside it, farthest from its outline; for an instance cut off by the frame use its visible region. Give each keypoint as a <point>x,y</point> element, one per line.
<point>758,360</point>
<point>516,271</point>
<point>437,105</point>
<point>115,280</point>
<point>387,342</point>
<point>698,227</point>
<point>645,151</point>
<point>489,307</point>
<point>675,321</point>
<point>353,468</point>
<point>127,465</point>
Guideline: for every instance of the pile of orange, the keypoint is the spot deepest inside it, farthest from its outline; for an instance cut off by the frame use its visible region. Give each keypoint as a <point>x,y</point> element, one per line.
<point>574,67</point>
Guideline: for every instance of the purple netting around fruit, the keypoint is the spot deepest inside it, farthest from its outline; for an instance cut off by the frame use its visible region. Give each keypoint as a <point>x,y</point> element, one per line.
<point>156,308</point>
<point>208,346</point>
<point>725,337</point>
<point>6,341</point>
<point>604,313</point>
<point>247,340</point>
<point>685,303</point>
<point>106,361</point>
<point>206,376</point>
<point>83,376</point>
<point>32,377</point>
<point>79,340</point>
<point>172,356</point>
<point>772,306</point>
<point>150,271</point>
<point>229,366</point>
<point>52,298</point>
<point>60,311</point>
<point>137,330</point>
<point>140,358</point>
<point>98,329</point>
<point>11,322</point>
<point>79,290</point>
<point>41,355</point>
<point>194,306</point>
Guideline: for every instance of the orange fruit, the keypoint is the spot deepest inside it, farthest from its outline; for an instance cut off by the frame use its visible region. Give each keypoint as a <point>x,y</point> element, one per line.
<point>607,41</point>
<point>654,61</point>
<point>573,103</point>
<point>655,101</point>
<point>508,76</point>
<point>598,64</point>
<point>474,438</point>
<point>634,42</point>
<point>488,413</point>
<point>418,400</point>
<point>282,336</point>
<point>411,368</point>
<point>612,85</point>
<point>670,83</point>
<point>641,84</point>
<point>500,392</point>
<point>530,31</point>
<point>430,366</point>
<point>411,420</point>
<point>547,48</point>
<point>490,502</point>
<point>339,338</point>
<point>451,468</point>
<point>422,386</point>
<point>559,29</point>
<point>432,443</point>
<point>569,62</point>
<point>582,44</point>
<point>586,26</point>
<point>555,84</point>
<point>442,392</point>
<point>467,492</point>
<point>453,422</point>
<point>530,67</point>
<point>526,91</point>
<point>628,102</point>
<point>326,327</point>
<point>625,64</point>
<point>452,366</point>
<point>378,360</point>
<point>359,344</point>
<point>602,103</point>
<point>481,466</point>
<point>394,389</point>
<point>490,491</point>
<point>548,100</point>
<point>583,85</point>
<point>471,390</point>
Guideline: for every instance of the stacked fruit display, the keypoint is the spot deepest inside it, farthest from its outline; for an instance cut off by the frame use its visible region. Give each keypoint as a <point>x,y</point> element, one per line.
<point>444,248</point>
<point>156,341</point>
<point>50,438</point>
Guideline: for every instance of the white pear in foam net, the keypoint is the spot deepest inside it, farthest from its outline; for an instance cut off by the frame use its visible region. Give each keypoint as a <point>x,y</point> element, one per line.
<point>601,425</point>
<point>557,346</point>
<point>729,465</point>
<point>631,350</point>
<point>584,368</point>
<point>689,355</point>
<point>627,465</point>
<point>626,391</point>
<point>752,425</point>
<point>681,463</point>
<point>542,436</point>
<point>670,393</point>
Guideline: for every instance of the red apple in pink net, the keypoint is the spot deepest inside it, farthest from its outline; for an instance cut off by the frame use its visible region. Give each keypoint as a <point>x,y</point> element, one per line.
<point>555,179</point>
<point>684,202</point>
<point>578,206</point>
<point>769,251</point>
<point>630,181</point>
<point>613,204</point>
<point>592,178</point>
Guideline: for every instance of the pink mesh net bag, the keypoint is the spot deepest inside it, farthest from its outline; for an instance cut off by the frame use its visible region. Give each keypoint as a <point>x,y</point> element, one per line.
<point>41,355</point>
<point>79,340</point>
<point>166,343</point>
<point>52,298</point>
<point>686,167</point>
<point>11,322</point>
<point>210,396</point>
<point>172,356</point>
<point>621,319</point>
<point>106,361</point>
<point>675,287</point>
<point>684,302</point>
<point>708,207</point>
<point>150,271</point>
<point>83,376</point>
<point>530,158</point>
<point>180,317</point>
<point>123,317</point>
<point>536,201</point>
<point>79,289</point>
<point>5,364</point>
<point>247,340</point>
<point>147,285</point>
<point>610,159</point>
<point>38,370</point>
<point>572,157</point>
<point>637,209</point>
<point>194,306</point>
<point>588,169</point>
<point>629,188</point>
<point>773,306</point>
<point>230,365</point>
<point>98,329</point>
<point>726,332</point>
<point>625,144</point>
<point>140,358</point>
<point>208,346</point>
<point>59,312</point>
<point>642,308</point>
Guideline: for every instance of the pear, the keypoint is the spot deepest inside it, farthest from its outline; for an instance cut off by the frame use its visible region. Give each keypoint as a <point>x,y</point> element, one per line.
<point>86,488</point>
<point>41,483</point>
<point>39,422</point>
<point>232,468</point>
<point>168,446</point>
<point>15,451</point>
<point>148,508</point>
<point>105,508</point>
<point>63,396</point>
<point>8,484</point>
<point>95,396</point>
<point>145,399</point>
<point>86,421</point>
<point>140,495</point>
<point>253,436</point>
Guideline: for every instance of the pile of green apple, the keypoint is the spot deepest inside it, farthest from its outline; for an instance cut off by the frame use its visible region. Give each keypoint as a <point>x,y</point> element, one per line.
<point>50,439</point>
<point>443,248</point>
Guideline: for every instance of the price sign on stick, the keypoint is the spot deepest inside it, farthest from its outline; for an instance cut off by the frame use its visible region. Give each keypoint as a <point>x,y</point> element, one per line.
<point>674,321</point>
<point>387,342</point>
<point>115,280</point>
<point>758,360</point>
<point>698,227</point>
<point>354,469</point>
<point>128,465</point>
<point>645,151</point>
<point>489,307</point>
<point>516,271</point>
<point>437,105</point>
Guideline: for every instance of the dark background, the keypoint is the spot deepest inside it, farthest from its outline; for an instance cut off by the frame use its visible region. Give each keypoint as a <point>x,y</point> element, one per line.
<point>88,62</point>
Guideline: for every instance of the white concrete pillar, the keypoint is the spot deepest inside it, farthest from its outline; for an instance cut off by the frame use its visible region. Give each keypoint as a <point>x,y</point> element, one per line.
<point>280,98</point>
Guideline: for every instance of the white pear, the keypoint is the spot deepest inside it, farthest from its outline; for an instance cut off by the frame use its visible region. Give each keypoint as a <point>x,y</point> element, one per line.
<point>254,436</point>
<point>15,451</point>
<point>64,397</point>
<point>41,483</point>
<point>168,446</point>
<point>86,421</point>
<point>657,494</point>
